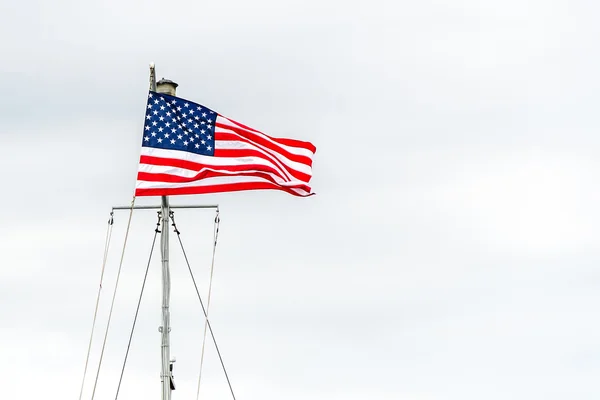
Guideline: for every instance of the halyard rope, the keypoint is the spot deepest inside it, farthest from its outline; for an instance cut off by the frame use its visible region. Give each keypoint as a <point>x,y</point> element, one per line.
<point>113,298</point>
<point>156,232</point>
<point>212,266</point>
<point>106,247</point>
<point>202,304</point>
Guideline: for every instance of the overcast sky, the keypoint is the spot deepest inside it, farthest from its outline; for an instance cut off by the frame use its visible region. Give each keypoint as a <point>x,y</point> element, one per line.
<point>451,251</point>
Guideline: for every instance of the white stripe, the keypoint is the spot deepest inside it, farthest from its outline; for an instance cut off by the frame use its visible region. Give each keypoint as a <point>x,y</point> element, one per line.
<point>239,145</point>
<point>292,149</point>
<point>189,173</point>
<point>221,180</point>
<point>207,160</point>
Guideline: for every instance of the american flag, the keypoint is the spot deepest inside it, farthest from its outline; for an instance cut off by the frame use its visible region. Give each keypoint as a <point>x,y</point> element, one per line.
<point>190,149</point>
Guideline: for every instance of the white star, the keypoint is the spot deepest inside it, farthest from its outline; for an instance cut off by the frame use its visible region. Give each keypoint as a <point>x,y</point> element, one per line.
<point>203,131</point>
<point>149,106</point>
<point>154,112</point>
<point>196,118</point>
<point>190,120</point>
<point>173,130</point>
<point>199,108</point>
<point>196,126</point>
<point>161,118</point>
<point>148,117</point>
<point>155,101</point>
<point>178,108</point>
<point>159,140</point>
<point>179,137</point>
<point>173,102</point>
<point>160,129</point>
<point>204,115</point>
<point>197,136</point>
<point>191,139</point>
<point>197,146</point>
<point>186,105</point>
<point>184,115</point>
<point>168,124</point>
<point>162,98</point>
<point>209,126</point>
<point>172,141</point>
<point>150,95</point>
<point>212,112</point>
<point>210,121</point>
<point>208,148</point>
<point>191,111</point>
<point>183,124</point>
<point>154,123</point>
<point>185,143</point>
<point>153,134</point>
<point>146,138</point>
<point>162,107</point>
<point>166,135</point>
<point>203,142</point>
<point>202,122</point>
<point>209,137</point>
<point>168,114</point>
<point>147,128</point>
<point>178,118</point>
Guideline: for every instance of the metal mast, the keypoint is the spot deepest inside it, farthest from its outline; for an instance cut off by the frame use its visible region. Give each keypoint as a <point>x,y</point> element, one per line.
<point>168,87</point>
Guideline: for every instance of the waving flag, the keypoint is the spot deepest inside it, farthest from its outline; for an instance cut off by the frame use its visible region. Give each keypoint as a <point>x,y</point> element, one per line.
<point>190,149</point>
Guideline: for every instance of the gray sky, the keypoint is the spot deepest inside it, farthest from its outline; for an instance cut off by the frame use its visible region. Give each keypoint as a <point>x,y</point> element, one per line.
<point>451,251</point>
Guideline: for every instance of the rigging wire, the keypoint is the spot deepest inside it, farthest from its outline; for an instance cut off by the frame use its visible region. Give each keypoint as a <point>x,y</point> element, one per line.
<point>202,303</point>
<point>106,248</point>
<point>113,297</point>
<point>212,266</point>
<point>156,232</point>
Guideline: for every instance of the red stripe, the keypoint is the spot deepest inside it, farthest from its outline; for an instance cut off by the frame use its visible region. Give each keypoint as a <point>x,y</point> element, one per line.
<point>193,166</point>
<point>168,162</point>
<point>296,143</point>
<point>285,141</point>
<point>238,138</point>
<point>257,139</point>
<point>149,177</point>
<point>229,187</point>
<point>240,124</point>
<point>233,153</point>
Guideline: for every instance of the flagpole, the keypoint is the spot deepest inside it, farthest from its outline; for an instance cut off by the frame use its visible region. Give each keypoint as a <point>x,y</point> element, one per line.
<point>168,87</point>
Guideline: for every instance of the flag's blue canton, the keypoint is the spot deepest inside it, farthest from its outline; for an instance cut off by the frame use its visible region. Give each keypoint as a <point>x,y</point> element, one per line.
<point>176,124</point>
